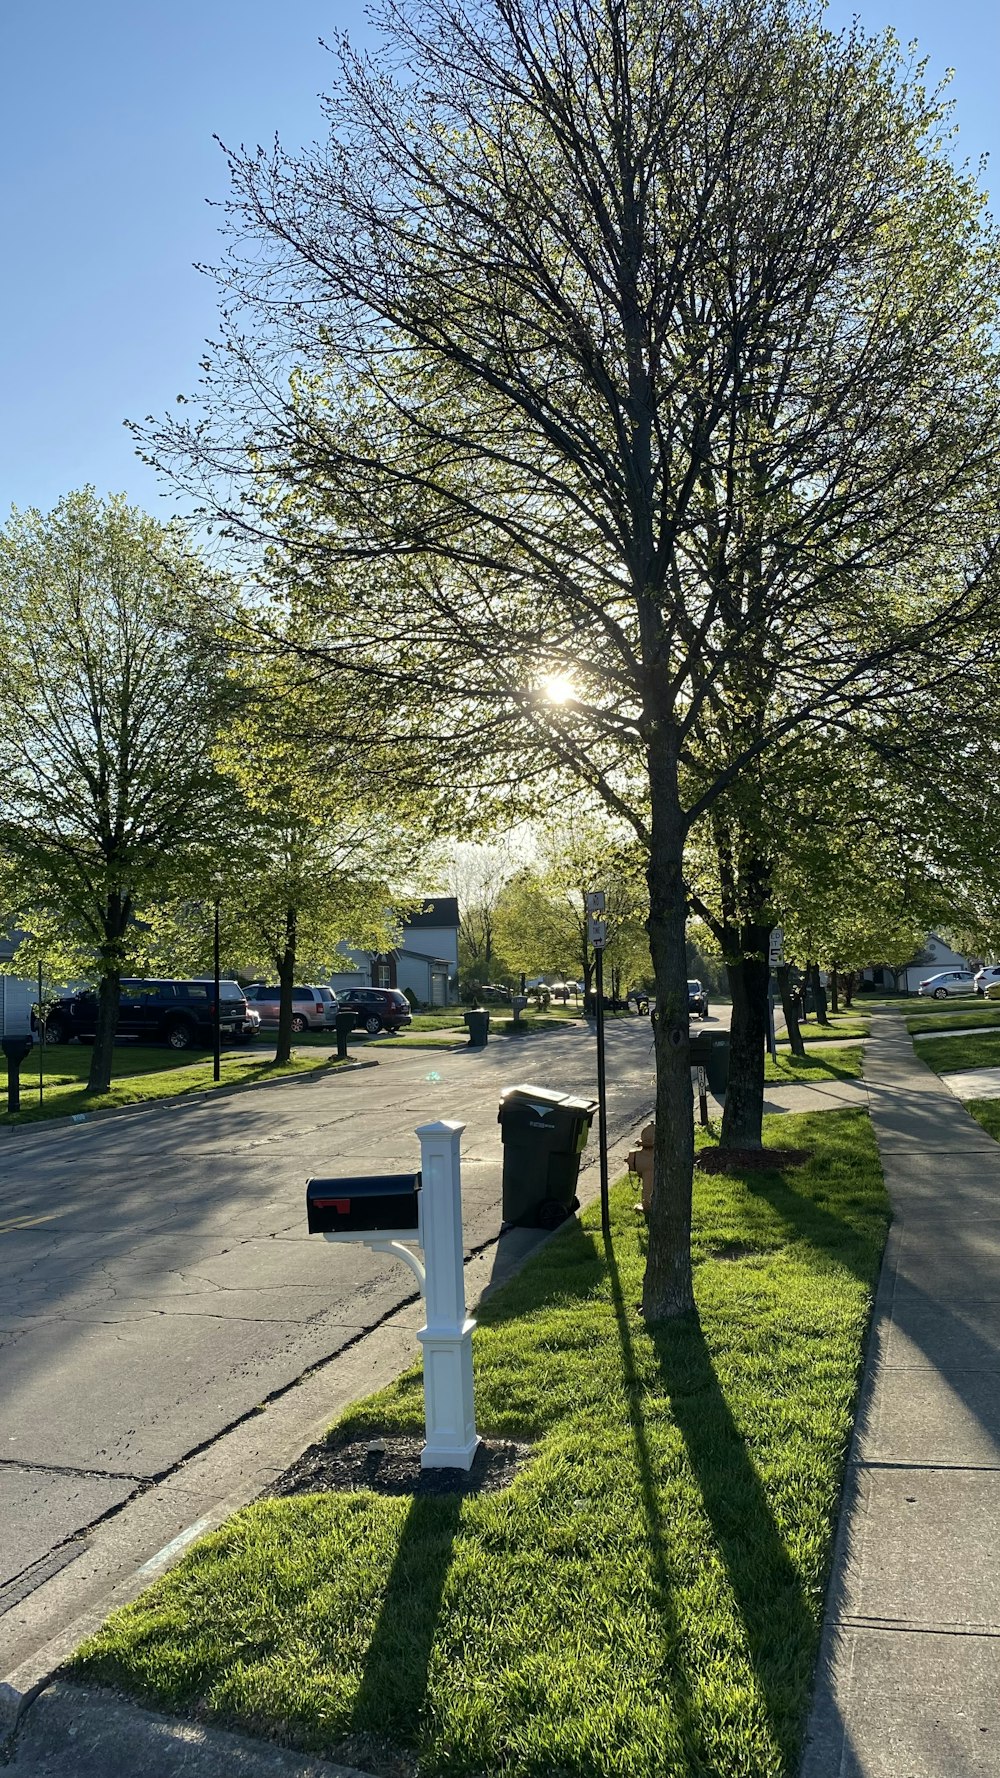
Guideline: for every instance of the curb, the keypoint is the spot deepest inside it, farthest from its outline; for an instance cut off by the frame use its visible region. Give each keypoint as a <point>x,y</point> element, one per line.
<point>165,1104</point>
<point>106,1735</point>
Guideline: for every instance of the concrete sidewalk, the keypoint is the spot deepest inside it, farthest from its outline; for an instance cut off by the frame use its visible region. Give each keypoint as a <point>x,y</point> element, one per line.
<point>909,1675</point>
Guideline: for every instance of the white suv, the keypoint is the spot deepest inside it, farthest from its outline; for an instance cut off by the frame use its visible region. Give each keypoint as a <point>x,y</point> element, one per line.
<point>985,977</point>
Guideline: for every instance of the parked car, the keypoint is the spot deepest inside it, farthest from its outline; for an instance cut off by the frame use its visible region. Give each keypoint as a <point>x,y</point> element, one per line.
<point>377,1009</point>
<point>985,977</point>
<point>945,982</point>
<point>496,992</point>
<point>639,998</point>
<point>250,1018</point>
<point>313,1009</point>
<point>697,1000</point>
<point>181,1014</point>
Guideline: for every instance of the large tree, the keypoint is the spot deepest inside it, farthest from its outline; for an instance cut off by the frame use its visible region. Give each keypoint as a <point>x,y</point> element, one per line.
<point>642,365</point>
<point>108,786</point>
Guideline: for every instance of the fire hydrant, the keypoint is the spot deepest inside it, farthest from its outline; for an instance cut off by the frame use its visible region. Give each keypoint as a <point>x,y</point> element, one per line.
<point>640,1161</point>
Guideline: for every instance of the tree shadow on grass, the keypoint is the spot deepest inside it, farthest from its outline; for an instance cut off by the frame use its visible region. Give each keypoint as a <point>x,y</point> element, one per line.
<point>781,1629</point>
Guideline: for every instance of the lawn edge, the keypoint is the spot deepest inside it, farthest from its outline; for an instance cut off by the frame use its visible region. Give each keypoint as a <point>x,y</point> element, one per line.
<point>305,1078</point>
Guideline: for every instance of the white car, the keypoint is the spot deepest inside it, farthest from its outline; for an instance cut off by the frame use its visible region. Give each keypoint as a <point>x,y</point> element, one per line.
<point>985,977</point>
<point>947,981</point>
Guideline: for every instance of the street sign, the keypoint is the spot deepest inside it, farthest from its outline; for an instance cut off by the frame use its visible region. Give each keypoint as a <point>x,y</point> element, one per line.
<point>776,948</point>
<point>594,900</point>
<point>597,932</point>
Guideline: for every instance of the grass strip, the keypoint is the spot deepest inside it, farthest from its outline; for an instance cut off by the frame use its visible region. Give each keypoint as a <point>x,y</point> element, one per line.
<point>950,1055</point>
<point>927,1007</point>
<point>987,1113</point>
<point>833,1064</point>
<point>955,1021</point>
<point>646,1596</point>
<point>144,1074</point>
<point>841,1025</point>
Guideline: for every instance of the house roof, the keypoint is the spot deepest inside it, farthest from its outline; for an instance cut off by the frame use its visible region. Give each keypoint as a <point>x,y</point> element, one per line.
<point>420,957</point>
<point>437,910</point>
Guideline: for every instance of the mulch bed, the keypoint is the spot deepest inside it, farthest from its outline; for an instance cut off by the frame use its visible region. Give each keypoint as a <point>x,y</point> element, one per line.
<point>391,1465</point>
<point>750,1160</point>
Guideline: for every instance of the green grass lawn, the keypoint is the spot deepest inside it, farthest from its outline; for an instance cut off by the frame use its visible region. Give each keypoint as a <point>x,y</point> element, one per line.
<point>832,1064</point>
<point>842,1024</point>
<point>141,1072</point>
<point>960,1021</point>
<point>948,1055</point>
<point>987,1113</point>
<point>645,1597</point>
<point>919,1011</point>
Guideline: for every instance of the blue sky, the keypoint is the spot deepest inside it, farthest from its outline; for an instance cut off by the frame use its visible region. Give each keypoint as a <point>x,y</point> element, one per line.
<point>106,136</point>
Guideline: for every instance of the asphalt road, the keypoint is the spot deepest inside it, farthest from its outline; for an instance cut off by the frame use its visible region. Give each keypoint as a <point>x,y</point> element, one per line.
<point>157,1281</point>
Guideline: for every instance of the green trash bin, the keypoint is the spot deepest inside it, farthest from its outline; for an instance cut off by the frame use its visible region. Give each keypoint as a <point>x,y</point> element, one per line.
<point>479,1028</point>
<point>544,1133</point>
<point>710,1050</point>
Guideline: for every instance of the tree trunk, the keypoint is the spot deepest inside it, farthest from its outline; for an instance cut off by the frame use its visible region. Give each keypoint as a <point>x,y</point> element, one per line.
<point>819,997</point>
<point>789,1006</point>
<point>667,1288</point>
<point>834,1007</point>
<point>102,1055</point>
<point>849,989</point>
<point>742,1117</point>
<point>117,912</point>
<point>286,980</point>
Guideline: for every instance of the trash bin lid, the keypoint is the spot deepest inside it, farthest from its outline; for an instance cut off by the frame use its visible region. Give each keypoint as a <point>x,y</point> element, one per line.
<point>533,1107</point>
<point>526,1091</point>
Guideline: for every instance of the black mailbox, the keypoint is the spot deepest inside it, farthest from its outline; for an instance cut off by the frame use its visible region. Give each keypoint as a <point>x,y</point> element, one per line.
<point>388,1201</point>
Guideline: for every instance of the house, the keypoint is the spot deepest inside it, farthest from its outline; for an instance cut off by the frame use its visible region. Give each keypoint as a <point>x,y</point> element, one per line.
<point>935,955</point>
<point>17,994</point>
<point>425,962</point>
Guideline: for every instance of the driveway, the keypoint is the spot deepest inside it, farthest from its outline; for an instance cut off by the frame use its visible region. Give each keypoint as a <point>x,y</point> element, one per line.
<point>157,1282</point>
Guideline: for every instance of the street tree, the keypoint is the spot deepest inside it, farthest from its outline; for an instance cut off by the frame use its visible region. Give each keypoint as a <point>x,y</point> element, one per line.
<point>334,823</point>
<point>624,381</point>
<point>477,872</point>
<point>111,654</point>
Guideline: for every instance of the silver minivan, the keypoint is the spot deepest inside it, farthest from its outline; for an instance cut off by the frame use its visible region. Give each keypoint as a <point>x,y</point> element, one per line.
<point>313,1009</point>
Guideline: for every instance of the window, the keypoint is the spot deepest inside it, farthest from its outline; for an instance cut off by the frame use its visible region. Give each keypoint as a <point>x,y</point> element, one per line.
<point>383,973</point>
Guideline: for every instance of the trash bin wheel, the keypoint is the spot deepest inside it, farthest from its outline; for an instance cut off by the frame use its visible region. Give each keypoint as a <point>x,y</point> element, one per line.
<point>551,1213</point>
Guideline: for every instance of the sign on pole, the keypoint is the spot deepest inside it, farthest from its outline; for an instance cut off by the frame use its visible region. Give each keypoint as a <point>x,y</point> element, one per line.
<point>594,900</point>
<point>597,932</point>
<point>776,948</point>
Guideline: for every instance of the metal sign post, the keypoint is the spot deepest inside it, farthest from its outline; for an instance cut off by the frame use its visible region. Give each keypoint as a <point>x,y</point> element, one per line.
<point>41,1041</point>
<point>775,955</point>
<point>598,933</point>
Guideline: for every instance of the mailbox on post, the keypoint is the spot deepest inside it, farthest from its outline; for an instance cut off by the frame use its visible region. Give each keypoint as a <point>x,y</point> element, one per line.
<point>387,1206</point>
<point>423,1209</point>
<point>16,1050</point>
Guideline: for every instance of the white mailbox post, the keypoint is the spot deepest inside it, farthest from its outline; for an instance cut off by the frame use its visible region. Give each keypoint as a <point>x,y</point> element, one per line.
<point>446,1337</point>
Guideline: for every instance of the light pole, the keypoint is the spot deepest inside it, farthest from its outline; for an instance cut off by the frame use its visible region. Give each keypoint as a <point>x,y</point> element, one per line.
<point>597,932</point>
